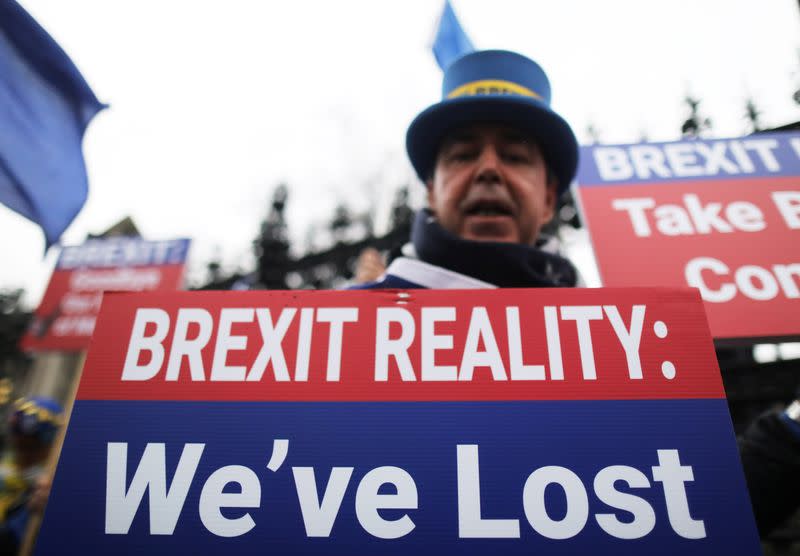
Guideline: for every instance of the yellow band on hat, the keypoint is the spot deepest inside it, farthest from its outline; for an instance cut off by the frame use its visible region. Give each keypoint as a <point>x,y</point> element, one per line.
<point>44,415</point>
<point>491,87</point>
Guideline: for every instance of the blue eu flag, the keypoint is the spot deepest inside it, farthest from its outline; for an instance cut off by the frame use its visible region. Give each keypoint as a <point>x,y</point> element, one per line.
<point>45,106</point>
<point>451,41</point>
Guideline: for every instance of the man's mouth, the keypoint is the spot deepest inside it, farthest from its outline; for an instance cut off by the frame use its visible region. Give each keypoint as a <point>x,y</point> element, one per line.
<point>489,219</point>
<point>488,208</point>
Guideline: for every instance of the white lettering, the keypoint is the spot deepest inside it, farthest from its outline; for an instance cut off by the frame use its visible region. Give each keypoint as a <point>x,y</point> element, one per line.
<point>481,329</point>
<point>672,220</point>
<point>319,516</point>
<point>705,217</point>
<point>644,518</point>
<point>368,502</point>
<point>432,342</point>
<point>683,159</point>
<point>470,523</point>
<point>612,163</point>
<point>118,279</point>
<point>150,475</point>
<point>271,349</point>
<point>715,158</point>
<point>694,278</point>
<point>76,325</point>
<point>674,477</point>
<point>647,159</point>
<point>636,208</point>
<point>582,315</point>
<point>519,371</point>
<point>212,499</point>
<point>746,278</point>
<point>138,343</point>
<point>81,303</point>
<point>752,281</point>
<point>764,147</point>
<point>336,317</point>
<point>630,339</point>
<point>788,276</point>
<point>795,144</point>
<point>226,341</point>
<point>788,203</point>
<point>183,346</point>
<point>385,347</point>
<point>553,343</point>
<point>745,216</point>
<point>304,345</point>
<point>577,504</point>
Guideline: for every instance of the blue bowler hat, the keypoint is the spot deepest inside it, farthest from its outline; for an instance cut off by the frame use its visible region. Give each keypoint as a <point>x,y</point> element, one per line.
<point>494,86</point>
<point>37,417</point>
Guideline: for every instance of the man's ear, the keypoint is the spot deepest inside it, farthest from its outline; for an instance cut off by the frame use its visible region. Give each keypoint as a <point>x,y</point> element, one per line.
<point>430,196</point>
<point>551,199</point>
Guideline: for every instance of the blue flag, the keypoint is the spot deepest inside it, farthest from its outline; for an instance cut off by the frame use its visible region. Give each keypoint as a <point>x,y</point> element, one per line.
<point>451,41</point>
<point>45,106</point>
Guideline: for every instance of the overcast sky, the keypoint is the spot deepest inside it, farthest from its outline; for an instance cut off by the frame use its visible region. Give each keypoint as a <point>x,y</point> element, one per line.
<point>213,104</point>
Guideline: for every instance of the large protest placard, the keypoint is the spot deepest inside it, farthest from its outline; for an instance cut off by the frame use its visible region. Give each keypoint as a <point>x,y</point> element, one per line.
<point>719,215</point>
<point>401,422</point>
<point>65,318</point>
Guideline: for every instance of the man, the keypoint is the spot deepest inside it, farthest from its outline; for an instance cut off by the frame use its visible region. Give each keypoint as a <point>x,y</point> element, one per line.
<point>24,486</point>
<point>495,158</point>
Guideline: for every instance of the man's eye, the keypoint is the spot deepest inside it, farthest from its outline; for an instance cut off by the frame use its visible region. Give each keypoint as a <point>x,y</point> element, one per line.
<point>461,155</point>
<point>517,157</point>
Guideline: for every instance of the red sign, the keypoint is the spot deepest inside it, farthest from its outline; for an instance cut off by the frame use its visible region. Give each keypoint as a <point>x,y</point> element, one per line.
<point>722,216</point>
<point>544,421</point>
<point>421,345</point>
<point>66,315</point>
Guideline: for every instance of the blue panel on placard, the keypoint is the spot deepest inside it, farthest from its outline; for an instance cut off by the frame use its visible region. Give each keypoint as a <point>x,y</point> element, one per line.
<point>513,439</point>
<point>765,155</point>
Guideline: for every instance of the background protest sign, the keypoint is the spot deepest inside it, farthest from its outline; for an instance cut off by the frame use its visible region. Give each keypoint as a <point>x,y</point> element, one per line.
<point>720,215</point>
<point>392,422</point>
<point>66,315</point>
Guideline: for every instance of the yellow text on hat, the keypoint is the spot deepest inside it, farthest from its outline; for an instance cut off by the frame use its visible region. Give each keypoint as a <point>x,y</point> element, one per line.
<point>491,87</point>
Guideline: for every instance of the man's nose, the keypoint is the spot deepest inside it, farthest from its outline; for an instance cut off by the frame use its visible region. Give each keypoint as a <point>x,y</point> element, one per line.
<point>488,165</point>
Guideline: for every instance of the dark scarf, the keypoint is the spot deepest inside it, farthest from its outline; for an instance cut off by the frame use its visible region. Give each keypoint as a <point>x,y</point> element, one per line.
<point>507,265</point>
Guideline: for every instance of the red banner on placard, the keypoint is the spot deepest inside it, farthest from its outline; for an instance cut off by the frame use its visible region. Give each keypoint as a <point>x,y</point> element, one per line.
<point>722,216</point>
<point>65,318</point>
<point>400,346</point>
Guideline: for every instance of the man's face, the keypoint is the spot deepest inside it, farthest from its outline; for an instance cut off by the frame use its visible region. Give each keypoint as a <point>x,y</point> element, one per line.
<point>490,183</point>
